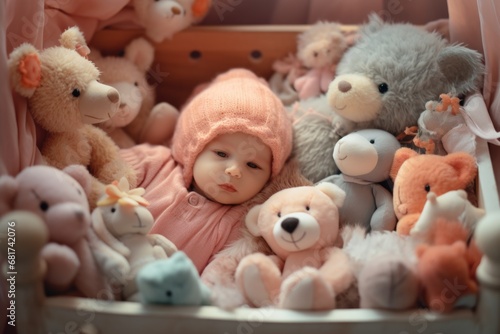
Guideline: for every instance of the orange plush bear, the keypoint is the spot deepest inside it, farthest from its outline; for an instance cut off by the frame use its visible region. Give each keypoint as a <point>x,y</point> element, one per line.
<point>415,175</point>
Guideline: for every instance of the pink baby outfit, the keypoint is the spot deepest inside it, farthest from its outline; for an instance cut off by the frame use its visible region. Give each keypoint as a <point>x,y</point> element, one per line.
<point>235,101</point>
<point>193,223</point>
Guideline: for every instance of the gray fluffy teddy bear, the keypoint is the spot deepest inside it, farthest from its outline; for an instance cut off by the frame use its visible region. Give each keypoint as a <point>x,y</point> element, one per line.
<point>382,82</point>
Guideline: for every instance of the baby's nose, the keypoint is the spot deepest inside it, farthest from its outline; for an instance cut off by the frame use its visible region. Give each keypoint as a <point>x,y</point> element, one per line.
<point>233,171</point>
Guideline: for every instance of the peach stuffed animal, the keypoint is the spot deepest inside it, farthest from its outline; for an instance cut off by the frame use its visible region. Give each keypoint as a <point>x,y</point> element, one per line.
<point>415,175</point>
<point>138,119</point>
<point>65,98</point>
<point>59,198</point>
<point>307,271</point>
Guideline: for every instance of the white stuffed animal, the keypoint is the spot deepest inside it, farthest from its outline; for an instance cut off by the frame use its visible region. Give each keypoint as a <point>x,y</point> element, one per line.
<point>120,241</point>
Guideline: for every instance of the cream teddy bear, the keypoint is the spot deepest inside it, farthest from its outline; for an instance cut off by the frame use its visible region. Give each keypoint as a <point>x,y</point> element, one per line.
<point>65,98</point>
<point>138,119</point>
<point>307,271</point>
<point>120,241</point>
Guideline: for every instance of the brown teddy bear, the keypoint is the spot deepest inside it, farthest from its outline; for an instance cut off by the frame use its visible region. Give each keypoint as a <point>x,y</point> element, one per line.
<point>65,98</point>
<point>138,119</point>
<point>306,271</point>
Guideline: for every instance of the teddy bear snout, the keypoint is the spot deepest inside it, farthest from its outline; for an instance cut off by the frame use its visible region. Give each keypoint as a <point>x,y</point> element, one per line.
<point>344,86</point>
<point>290,224</point>
<point>113,95</point>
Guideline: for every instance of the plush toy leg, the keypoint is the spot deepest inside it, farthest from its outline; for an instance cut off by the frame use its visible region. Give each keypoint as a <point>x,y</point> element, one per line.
<point>160,125</point>
<point>62,266</point>
<point>259,279</point>
<point>307,290</point>
<point>388,283</point>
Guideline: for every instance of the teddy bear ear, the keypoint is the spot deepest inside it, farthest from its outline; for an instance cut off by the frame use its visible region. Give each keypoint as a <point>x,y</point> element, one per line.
<point>81,175</point>
<point>401,155</point>
<point>465,166</point>
<point>252,220</point>
<point>8,190</point>
<point>375,23</point>
<point>72,38</point>
<point>141,53</point>
<point>333,191</point>
<point>462,67</point>
<point>25,69</point>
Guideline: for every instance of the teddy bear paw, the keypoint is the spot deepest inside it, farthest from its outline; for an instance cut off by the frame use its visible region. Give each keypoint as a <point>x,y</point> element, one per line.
<point>258,279</point>
<point>307,290</point>
<point>161,123</point>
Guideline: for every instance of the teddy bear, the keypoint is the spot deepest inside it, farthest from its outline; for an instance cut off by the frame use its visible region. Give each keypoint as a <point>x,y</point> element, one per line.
<point>120,241</point>
<point>162,19</point>
<point>138,119</point>
<point>415,175</point>
<point>306,270</point>
<point>364,158</point>
<point>172,281</point>
<point>65,98</point>
<point>383,81</point>
<point>319,49</point>
<point>66,214</point>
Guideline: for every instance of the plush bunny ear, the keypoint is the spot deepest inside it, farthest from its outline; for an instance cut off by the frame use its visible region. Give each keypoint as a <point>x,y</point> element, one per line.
<point>8,190</point>
<point>333,191</point>
<point>25,69</point>
<point>252,220</point>
<point>72,38</point>
<point>141,53</point>
<point>401,155</point>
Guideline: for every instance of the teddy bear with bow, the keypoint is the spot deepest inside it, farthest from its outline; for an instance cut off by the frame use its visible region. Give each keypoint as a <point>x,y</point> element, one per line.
<point>138,118</point>
<point>65,98</point>
<point>307,271</point>
<point>66,215</point>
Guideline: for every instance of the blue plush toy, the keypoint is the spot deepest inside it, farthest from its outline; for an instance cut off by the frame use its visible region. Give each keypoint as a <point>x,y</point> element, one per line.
<point>172,281</point>
<point>365,157</point>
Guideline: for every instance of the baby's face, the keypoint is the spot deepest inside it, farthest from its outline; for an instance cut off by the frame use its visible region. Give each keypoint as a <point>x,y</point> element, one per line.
<point>232,168</point>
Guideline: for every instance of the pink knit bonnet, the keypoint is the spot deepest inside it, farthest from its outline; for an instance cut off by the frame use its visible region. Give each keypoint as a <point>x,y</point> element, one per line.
<point>235,101</point>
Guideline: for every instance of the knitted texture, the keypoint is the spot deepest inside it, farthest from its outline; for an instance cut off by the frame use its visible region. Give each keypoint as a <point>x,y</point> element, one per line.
<point>236,101</point>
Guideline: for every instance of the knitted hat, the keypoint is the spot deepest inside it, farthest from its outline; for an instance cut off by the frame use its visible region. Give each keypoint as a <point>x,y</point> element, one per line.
<point>235,101</point>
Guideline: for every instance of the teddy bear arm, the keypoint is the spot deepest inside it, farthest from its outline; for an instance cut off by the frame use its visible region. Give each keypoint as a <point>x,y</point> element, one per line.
<point>105,162</point>
<point>62,266</point>
<point>159,241</point>
<point>384,217</point>
<point>111,263</point>
<point>327,76</point>
<point>406,223</point>
<point>337,271</point>
<point>159,126</point>
<point>76,150</point>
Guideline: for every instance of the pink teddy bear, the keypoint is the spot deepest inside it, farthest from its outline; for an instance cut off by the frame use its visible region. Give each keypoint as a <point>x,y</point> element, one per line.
<point>60,199</point>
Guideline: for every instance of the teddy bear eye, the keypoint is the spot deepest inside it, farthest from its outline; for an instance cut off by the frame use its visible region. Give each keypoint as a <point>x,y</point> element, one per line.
<point>383,88</point>
<point>372,141</point>
<point>427,188</point>
<point>44,206</point>
<point>308,208</point>
<point>113,210</point>
<point>136,84</point>
<point>75,92</point>
<point>279,214</point>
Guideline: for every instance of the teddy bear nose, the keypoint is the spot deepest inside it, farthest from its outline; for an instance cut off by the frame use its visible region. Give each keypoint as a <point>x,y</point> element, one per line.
<point>344,86</point>
<point>290,224</point>
<point>113,95</point>
<point>176,11</point>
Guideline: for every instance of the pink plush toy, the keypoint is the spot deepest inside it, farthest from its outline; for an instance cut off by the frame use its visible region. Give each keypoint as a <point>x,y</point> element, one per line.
<point>60,199</point>
<point>319,49</point>
<point>307,271</point>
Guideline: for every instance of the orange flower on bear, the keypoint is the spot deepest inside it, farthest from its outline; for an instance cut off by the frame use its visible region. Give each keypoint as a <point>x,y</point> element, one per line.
<point>30,70</point>
<point>200,7</point>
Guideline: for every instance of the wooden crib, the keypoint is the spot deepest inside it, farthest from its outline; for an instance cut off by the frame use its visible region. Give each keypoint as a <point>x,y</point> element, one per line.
<point>192,57</point>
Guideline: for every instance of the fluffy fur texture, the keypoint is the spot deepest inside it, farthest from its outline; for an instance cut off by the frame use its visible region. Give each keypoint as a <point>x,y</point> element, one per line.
<point>415,175</point>
<point>59,199</point>
<point>138,119</point>
<point>65,98</point>
<point>383,82</point>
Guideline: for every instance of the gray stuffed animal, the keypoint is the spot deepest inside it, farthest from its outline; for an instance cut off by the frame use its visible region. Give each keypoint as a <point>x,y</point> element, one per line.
<point>383,82</point>
<point>365,157</point>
